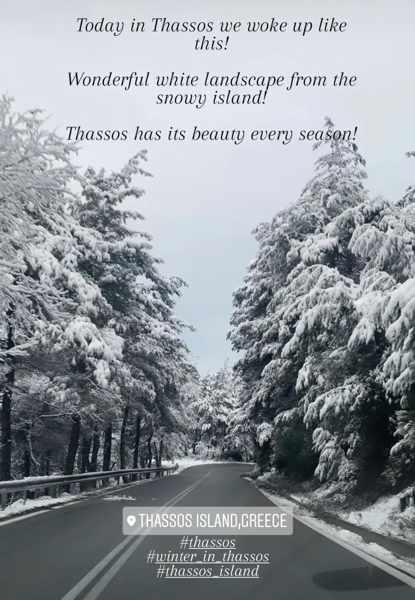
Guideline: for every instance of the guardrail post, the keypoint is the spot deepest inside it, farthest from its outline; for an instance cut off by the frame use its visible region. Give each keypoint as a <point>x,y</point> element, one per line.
<point>3,500</point>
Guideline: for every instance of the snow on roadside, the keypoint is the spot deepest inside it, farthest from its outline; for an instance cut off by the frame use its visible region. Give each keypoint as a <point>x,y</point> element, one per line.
<point>385,517</point>
<point>349,537</point>
<point>332,492</point>
<point>187,461</point>
<point>20,506</point>
<point>266,476</point>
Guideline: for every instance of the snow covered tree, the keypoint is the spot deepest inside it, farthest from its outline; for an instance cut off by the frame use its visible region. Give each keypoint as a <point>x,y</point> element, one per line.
<point>397,314</point>
<point>278,306</point>
<point>142,304</point>
<point>335,275</point>
<point>89,333</point>
<point>35,172</point>
<point>333,367</point>
<point>212,409</point>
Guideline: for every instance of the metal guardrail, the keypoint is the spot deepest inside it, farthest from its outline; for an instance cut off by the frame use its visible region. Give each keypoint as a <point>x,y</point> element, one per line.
<point>55,483</point>
<point>407,500</point>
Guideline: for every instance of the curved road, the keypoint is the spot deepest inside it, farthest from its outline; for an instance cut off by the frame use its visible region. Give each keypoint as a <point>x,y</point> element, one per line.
<point>78,552</point>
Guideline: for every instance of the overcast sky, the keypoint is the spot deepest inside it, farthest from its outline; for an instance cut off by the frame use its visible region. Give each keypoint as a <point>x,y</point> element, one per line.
<point>205,199</point>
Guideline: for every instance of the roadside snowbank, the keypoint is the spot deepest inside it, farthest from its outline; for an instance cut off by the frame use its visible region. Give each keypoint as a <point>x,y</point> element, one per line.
<point>20,506</point>
<point>111,492</point>
<point>332,532</point>
<point>384,516</point>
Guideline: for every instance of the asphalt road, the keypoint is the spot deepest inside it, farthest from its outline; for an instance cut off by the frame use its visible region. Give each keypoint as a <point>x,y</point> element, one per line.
<point>78,552</point>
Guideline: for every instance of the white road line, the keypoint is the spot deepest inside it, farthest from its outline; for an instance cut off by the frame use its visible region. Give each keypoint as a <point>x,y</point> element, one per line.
<point>74,593</point>
<point>90,576</point>
<point>64,504</point>
<point>380,564</point>
<point>108,576</point>
<point>22,517</point>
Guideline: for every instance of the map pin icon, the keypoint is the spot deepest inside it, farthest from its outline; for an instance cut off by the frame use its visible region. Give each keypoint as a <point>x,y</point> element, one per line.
<point>131,520</point>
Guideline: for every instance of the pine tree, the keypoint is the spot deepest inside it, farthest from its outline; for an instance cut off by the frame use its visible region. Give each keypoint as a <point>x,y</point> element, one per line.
<point>300,293</point>
<point>142,305</point>
<point>35,172</point>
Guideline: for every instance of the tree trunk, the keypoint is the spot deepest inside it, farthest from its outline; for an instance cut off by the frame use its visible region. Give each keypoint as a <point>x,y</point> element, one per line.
<point>47,462</point>
<point>106,459</point>
<point>85,464</point>
<point>156,454</point>
<point>85,450</point>
<point>93,466</point>
<point>27,463</point>
<point>6,407</point>
<point>149,453</point>
<point>73,445</point>
<point>136,443</point>
<point>149,450</point>
<point>6,432</point>
<point>44,470</point>
<point>160,453</point>
<point>122,439</point>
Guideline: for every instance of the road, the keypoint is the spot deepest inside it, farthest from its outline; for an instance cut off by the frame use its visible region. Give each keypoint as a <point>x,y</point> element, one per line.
<point>77,552</point>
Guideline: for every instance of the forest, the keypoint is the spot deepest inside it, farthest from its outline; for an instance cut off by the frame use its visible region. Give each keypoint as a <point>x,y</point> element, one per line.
<point>94,370</point>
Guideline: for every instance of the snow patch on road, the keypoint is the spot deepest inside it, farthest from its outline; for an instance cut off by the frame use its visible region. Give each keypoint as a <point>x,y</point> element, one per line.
<point>119,498</point>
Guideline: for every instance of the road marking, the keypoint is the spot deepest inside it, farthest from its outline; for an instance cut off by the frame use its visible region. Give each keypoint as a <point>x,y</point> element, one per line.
<point>15,519</point>
<point>74,593</point>
<point>100,586</point>
<point>64,504</point>
<point>380,564</point>
<point>90,576</point>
